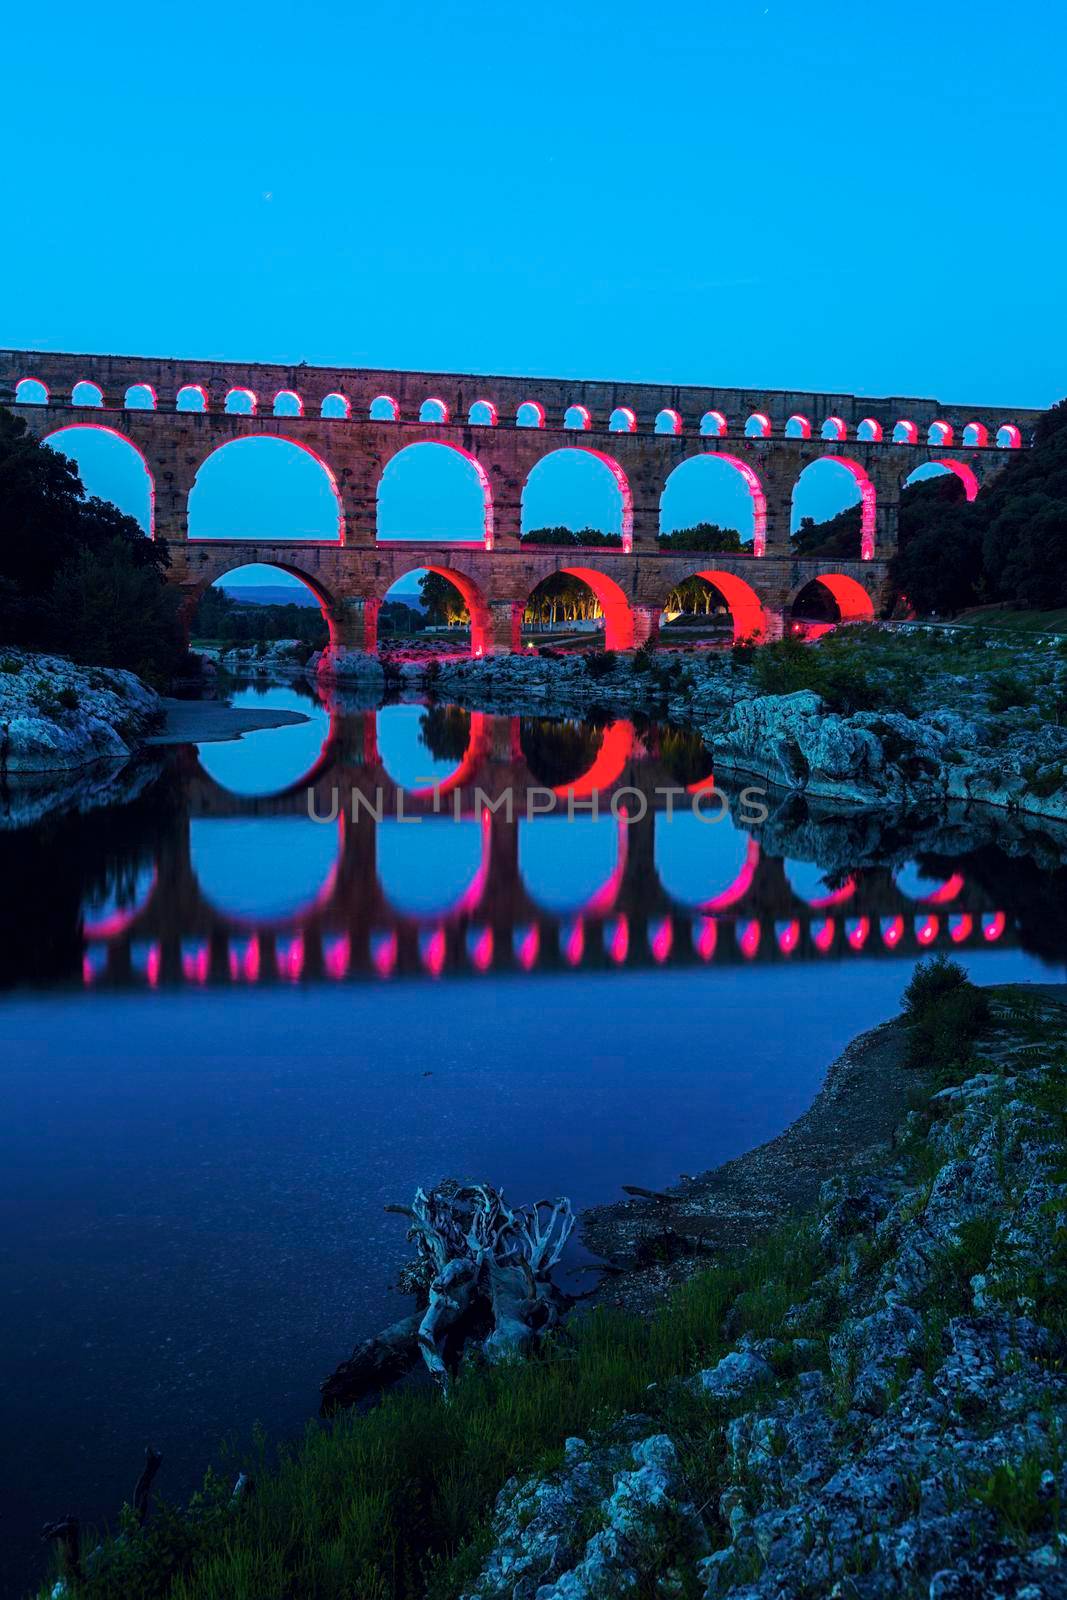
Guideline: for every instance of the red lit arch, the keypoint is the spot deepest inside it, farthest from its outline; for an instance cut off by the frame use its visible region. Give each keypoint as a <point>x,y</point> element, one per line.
<point>962,471</point>
<point>873,434</point>
<point>976,435</point>
<point>798,427</point>
<point>626,520</point>
<point>853,602</point>
<point>868,502</point>
<point>755,489</point>
<point>220,568</point>
<point>622,420</point>
<point>473,599</point>
<point>483,484</point>
<point>581,419</point>
<point>21,401</point>
<point>746,608</point>
<point>616,747</point>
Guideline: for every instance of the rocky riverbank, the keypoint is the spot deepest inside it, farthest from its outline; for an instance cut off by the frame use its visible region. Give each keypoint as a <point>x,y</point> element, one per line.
<point>889,1420</point>
<point>56,717</point>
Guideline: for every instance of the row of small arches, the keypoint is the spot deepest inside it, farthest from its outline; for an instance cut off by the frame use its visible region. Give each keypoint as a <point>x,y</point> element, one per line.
<point>531,414</point>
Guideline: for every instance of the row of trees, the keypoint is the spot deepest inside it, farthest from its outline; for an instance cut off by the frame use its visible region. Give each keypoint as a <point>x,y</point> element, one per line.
<point>221,617</point>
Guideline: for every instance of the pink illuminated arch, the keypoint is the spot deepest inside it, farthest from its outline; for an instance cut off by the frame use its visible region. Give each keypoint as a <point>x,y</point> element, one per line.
<point>940,433</point>
<point>618,618</point>
<point>99,427</point>
<point>834,428</point>
<point>241,403</point>
<point>530,414</point>
<point>616,748</point>
<point>482,414</point>
<point>191,397</point>
<point>626,499</point>
<point>869,431</point>
<point>905,432</point>
<point>284,439</point>
<point>622,420</point>
<point>962,471</point>
<point>433,410</point>
<point>287,403</point>
<point>713,425</point>
<point>1008,437</point>
<point>755,489</point>
<point>480,615</point>
<point>85,393</point>
<point>668,421</point>
<point>335,407</point>
<point>976,435</point>
<point>383,408</point>
<point>577,417</point>
<point>139,397</point>
<point>853,602</point>
<point>868,501</point>
<point>746,608</point>
<point>798,427</point>
<point>758,426</point>
<point>31,392</point>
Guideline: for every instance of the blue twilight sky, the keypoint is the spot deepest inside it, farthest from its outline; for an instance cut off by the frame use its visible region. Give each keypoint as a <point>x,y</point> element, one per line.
<point>813,195</point>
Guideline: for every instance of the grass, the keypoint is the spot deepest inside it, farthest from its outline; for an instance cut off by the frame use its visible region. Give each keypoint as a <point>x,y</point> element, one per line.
<point>1017,621</point>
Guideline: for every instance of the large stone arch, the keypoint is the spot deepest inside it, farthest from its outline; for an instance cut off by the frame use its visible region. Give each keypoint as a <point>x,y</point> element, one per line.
<point>751,480</point>
<point>203,576</point>
<point>960,469</point>
<point>854,602</point>
<point>115,433</point>
<point>622,484</point>
<point>618,613</point>
<point>260,439</point>
<point>481,477</point>
<point>750,617</point>
<point>473,595</point>
<point>868,497</point>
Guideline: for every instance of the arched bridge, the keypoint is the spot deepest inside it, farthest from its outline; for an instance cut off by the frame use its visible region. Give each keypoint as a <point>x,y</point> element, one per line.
<point>355,421</point>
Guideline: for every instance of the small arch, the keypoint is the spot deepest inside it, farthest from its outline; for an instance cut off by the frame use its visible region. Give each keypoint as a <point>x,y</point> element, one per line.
<point>869,431</point>
<point>433,410</point>
<point>940,433</point>
<point>622,420</point>
<point>668,421</point>
<point>568,461</point>
<point>31,392</point>
<point>241,403</point>
<point>335,407</point>
<point>976,435</point>
<point>482,414</point>
<point>849,598</point>
<point>935,469</point>
<point>114,471</point>
<point>383,408</point>
<point>713,425</point>
<point>531,414</point>
<point>834,428</point>
<point>577,417</point>
<point>689,508</point>
<point>139,397</point>
<point>429,475</point>
<point>85,393</point>
<point>758,426</point>
<point>191,397</point>
<point>743,603</point>
<point>905,432</point>
<point>265,487</point>
<point>1008,437</point>
<point>798,427</point>
<point>287,403</point>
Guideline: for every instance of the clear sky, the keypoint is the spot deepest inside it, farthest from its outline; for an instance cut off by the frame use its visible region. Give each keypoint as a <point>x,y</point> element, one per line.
<point>818,195</point>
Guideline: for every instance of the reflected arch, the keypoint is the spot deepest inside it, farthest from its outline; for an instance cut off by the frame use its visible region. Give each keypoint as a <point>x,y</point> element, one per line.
<point>265,487</point>
<point>572,867</point>
<point>719,488</point>
<point>111,466</point>
<point>702,865</point>
<point>577,486</point>
<point>436,872</point>
<point>441,474</point>
<point>227,856</point>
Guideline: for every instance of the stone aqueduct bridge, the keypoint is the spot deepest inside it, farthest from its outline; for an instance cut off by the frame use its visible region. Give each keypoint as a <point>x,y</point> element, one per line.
<point>642,432</point>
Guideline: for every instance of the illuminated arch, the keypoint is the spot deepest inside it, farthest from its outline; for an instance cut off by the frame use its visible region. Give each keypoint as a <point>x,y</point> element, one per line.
<point>713,425</point>
<point>618,618</point>
<point>701,865</point>
<point>109,914</point>
<point>869,431</point>
<point>434,873</point>
<point>335,407</point>
<point>668,421</point>
<point>130,501</point>
<point>616,748</point>
<point>744,604</point>
<point>1008,437</point>
<point>478,745</point>
<point>905,432</point>
<point>577,418</point>
<point>482,414</point>
<point>976,435</point>
<point>191,397</point>
<point>85,393</point>
<point>809,883</point>
<point>287,403</point>
<point>31,392</point>
<point>482,515</point>
<point>287,458</point>
<point>751,481</point>
<point>622,420</point>
<point>940,433</point>
<point>867,497</point>
<point>943,464</point>
<point>473,599</point>
<point>853,602</point>
<point>139,397</point>
<point>582,881</point>
<point>798,427</point>
<point>624,506</point>
<point>433,410</point>
<point>530,414</point>
<point>241,403</point>
<point>834,428</point>
<point>758,426</point>
<point>383,408</point>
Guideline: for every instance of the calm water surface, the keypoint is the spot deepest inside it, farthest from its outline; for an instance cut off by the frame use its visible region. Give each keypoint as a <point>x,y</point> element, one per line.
<point>232,1034</point>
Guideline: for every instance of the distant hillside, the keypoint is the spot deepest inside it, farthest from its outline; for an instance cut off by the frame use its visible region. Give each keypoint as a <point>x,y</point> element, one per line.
<point>270,594</point>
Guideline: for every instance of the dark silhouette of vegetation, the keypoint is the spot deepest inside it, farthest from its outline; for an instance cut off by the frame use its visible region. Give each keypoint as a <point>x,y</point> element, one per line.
<point>839,538</point>
<point>559,750</point>
<point>701,536</point>
<point>442,601</point>
<point>583,536</point>
<point>446,732</point>
<point>221,616</point>
<point>77,576</point>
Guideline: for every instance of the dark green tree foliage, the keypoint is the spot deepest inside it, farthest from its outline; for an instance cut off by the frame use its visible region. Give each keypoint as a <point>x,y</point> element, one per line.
<point>446,732</point>
<point>221,617</point>
<point>582,536</point>
<point>77,576</point>
<point>702,536</point>
<point>839,538</point>
<point>1024,516</point>
<point>441,600</point>
<point>938,564</point>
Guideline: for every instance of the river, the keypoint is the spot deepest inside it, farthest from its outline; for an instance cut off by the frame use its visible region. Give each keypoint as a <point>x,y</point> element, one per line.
<point>233,1033</point>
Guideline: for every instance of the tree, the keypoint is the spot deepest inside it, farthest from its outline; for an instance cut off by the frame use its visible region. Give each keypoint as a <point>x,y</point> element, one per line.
<point>702,536</point>
<point>441,600</point>
<point>839,538</point>
<point>938,563</point>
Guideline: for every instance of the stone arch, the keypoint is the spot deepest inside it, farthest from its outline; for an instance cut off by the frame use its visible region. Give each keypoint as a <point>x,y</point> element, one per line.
<point>625,504</point>
<point>148,519</point>
<point>869,431</point>
<point>285,457</point>
<point>713,425</point>
<point>530,414</point>
<point>287,403</point>
<point>751,481</point>
<point>976,435</point>
<point>241,403</point>
<point>577,418</point>
<point>867,498</point>
<point>618,617</point>
<point>852,600</point>
<point>194,396</point>
<point>834,429</point>
<point>1008,437</point>
<point>335,407</point>
<point>668,421</point>
<point>798,427</point>
<point>222,564</point>
<point>758,426</point>
<point>473,598</point>
<point>940,433</point>
<point>905,432</point>
<point>383,408</point>
<point>140,397</point>
<point>960,469</point>
<point>747,610</point>
<point>433,410</point>
<point>86,393</point>
<point>31,392</point>
<point>482,414</point>
<point>622,420</point>
<point>480,477</point>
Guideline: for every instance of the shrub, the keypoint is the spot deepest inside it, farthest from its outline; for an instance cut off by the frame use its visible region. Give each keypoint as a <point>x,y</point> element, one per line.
<point>946,1012</point>
<point>1006,689</point>
<point>930,982</point>
<point>11,664</point>
<point>598,663</point>
<point>68,699</point>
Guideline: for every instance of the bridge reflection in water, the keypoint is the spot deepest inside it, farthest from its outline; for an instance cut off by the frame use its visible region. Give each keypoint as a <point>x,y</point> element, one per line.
<point>248,889</point>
